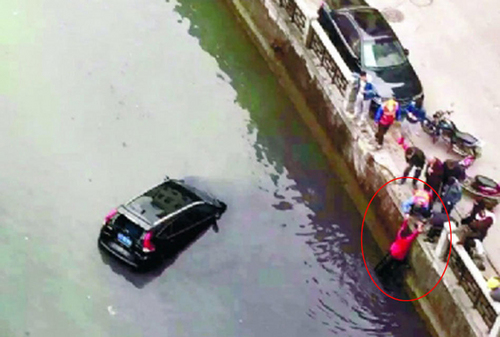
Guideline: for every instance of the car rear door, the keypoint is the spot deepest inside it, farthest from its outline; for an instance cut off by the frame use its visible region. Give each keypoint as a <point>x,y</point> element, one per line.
<point>350,48</point>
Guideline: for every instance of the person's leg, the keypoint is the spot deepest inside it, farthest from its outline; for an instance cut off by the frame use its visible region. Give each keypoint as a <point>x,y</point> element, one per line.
<point>406,173</point>
<point>382,130</point>
<point>383,267</point>
<point>449,206</point>
<point>387,275</point>
<point>365,110</point>
<point>469,244</point>
<point>378,135</point>
<point>358,107</point>
<point>418,172</point>
<point>437,188</point>
<point>398,270</point>
<point>433,232</point>
<point>405,132</point>
<point>467,220</point>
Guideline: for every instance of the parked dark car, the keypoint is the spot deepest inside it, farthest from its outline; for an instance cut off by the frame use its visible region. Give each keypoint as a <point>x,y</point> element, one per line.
<point>143,230</point>
<point>366,41</point>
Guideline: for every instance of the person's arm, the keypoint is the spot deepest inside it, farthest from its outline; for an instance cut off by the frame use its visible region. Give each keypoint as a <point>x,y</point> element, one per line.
<point>398,113</point>
<point>446,187</point>
<point>406,206</point>
<point>403,227</point>
<point>459,193</point>
<point>370,91</point>
<point>421,113</point>
<point>378,114</point>
<point>413,234</point>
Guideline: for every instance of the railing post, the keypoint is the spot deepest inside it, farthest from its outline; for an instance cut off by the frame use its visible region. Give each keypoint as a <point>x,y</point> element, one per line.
<point>443,243</point>
<point>495,329</point>
<point>308,29</point>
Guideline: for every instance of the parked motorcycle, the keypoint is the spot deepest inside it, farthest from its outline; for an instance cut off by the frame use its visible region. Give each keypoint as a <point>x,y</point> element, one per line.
<point>484,187</point>
<point>442,127</point>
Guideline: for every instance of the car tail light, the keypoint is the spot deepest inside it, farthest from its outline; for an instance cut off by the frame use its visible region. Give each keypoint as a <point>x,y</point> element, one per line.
<point>147,245</point>
<point>110,216</point>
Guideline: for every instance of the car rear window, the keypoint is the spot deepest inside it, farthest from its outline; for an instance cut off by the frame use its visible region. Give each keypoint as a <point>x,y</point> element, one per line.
<point>372,23</point>
<point>161,201</point>
<point>127,226</point>
<point>382,53</point>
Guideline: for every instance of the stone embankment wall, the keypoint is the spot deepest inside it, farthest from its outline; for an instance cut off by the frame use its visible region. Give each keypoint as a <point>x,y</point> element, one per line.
<point>447,310</point>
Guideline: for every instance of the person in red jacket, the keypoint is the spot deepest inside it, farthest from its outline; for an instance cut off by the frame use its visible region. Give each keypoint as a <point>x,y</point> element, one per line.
<point>385,116</point>
<point>398,252</point>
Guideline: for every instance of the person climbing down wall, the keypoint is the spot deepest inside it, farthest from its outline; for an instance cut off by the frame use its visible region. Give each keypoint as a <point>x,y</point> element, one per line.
<point>389,266</point>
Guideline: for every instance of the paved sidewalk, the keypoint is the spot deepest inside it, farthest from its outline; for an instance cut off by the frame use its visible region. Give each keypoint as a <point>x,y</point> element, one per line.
<point>458,64</point>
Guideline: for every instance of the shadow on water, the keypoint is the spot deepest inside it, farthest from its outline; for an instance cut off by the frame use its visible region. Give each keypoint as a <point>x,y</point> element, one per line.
<point>345,299</point>
<point>140,278</point>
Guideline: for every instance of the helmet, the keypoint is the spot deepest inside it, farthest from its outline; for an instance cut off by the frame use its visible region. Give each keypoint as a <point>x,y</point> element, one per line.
<point>493,282</point>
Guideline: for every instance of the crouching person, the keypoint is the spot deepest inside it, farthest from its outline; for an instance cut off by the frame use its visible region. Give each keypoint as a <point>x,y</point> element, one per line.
<point>419,204</point>
<point>389,266</point>
<point>437,222</point>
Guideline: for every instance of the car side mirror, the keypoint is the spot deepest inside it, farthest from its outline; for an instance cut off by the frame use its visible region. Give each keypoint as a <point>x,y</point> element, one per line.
<point>406,51</point>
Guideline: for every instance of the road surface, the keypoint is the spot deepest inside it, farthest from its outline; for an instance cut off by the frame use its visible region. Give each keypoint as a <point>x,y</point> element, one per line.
<point>100,100</point>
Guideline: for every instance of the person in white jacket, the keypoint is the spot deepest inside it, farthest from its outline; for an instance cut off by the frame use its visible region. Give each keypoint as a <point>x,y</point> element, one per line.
<point>365,92</point>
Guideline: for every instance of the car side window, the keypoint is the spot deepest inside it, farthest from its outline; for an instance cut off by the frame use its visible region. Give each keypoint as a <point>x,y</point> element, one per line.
<point>200,213</point>
<point>181,223</point>
<point>349,33</point>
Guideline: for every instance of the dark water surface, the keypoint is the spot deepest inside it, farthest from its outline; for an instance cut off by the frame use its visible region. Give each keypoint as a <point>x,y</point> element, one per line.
<point>99,100</point>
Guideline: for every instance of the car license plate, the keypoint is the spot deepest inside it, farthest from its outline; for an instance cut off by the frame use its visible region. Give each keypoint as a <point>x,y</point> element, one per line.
<point>124,239</point>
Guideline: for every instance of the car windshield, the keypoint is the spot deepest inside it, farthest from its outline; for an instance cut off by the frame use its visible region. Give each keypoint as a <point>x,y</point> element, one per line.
<point>382,53</point>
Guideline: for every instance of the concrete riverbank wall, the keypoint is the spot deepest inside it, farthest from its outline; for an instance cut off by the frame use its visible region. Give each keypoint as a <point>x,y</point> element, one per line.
<point>298,51</point>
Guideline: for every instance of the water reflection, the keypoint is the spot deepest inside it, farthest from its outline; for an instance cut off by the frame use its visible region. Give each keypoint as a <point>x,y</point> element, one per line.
<point>296,180</point>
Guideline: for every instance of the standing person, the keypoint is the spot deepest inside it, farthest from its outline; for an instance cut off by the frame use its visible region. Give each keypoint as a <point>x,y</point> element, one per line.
<point>397,255</point>
<point>452,193</point>
<point>365,92</point>
<point>414,157</point>
<point>434,176</point>
<point>385,116</point>
<point>411,115</point>
<point>452,168</point>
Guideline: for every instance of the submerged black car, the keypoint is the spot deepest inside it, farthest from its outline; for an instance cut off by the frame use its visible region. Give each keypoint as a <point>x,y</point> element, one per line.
<point>366,42</point>
<point>143,230</point>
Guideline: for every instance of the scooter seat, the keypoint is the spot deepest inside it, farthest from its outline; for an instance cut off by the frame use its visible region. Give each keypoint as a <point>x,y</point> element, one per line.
<point>467,138</point>
<point>485,182</point>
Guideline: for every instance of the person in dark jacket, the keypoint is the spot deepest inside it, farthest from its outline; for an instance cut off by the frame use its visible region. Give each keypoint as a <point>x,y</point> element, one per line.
<point>477,229</point>
<point>434,176</point>
<point>452,168</point>
<point>437,222</point>
<point>452,193</point>
<point>414,157</point>
<point>479,206</point>
<point>385,116</point>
